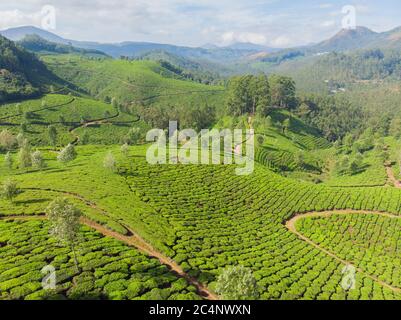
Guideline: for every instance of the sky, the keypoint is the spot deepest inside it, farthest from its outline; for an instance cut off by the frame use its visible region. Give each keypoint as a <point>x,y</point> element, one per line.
<point>274,23</point>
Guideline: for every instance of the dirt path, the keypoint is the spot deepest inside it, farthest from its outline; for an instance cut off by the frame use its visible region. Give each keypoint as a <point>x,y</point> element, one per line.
<point>290,225</point>
<point>391,177</point>
<point>133,239</point>
<point>139,243</point>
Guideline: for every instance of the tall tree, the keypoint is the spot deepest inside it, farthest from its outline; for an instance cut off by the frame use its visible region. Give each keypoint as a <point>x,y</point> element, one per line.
<point>282,91</point>
<point>64,220</point>
<point>52,132</point>
<point>9,190</point>
<point>67,154</point>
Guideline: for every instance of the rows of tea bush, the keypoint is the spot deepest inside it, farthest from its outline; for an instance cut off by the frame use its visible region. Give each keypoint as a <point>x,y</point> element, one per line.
<point>13,110</point>
<point>109,269</point>
<point>220,219</point>
<point>64,112</point>
<point>371,241</point>
<point>207,217</point>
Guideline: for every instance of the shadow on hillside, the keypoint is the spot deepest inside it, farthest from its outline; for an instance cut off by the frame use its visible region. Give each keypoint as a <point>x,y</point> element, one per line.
<point>31,201</point>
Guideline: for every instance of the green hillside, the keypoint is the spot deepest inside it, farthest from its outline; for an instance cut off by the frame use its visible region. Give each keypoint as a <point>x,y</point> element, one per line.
<point>132,82</point>
<point>22,75</point>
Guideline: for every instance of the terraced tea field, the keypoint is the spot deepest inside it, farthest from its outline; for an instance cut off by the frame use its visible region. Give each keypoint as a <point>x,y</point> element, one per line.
<point>65,113</point>
<point>205,218</point>
<point>109,268</point>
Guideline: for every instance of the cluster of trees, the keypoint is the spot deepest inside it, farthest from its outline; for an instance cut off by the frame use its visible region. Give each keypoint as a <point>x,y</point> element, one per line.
<point>334,116</point>
<point>364,65</point>
<point>259,94</point>
<point>26,157</point>
<point>188,116</point>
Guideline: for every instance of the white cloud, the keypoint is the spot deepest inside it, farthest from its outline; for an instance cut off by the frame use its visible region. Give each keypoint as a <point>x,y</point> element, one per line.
<point>281,42</point>
<point>328,23</point>
<point>325,5</point>
<point>14,18</point>
<point>196,22</point>
<point>252,37</point>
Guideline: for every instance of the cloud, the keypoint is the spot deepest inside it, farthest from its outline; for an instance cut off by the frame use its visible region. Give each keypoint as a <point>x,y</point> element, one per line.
<point>281,42</point>
<point>19,18</point>
<point>231,37</point>
<point>328,23</point>
<point>195,22</point>
<point>325,5</point>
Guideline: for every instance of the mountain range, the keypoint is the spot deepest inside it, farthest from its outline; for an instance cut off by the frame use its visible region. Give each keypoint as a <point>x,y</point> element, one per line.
<point>136,49</point>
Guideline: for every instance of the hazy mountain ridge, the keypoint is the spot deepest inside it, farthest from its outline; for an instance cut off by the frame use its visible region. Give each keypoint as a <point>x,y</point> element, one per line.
<point>135,49</point>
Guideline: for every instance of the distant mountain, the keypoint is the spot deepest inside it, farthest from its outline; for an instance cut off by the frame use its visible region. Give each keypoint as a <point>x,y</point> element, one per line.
<point>17,34</point>
<point>348,39</point>
<point>251,47</point>
<point>345,40</point>
<point>136,49</point>
<point>37,44</point>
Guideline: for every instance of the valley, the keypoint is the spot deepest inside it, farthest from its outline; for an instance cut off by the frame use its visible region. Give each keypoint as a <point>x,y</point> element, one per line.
<point>324,193</point>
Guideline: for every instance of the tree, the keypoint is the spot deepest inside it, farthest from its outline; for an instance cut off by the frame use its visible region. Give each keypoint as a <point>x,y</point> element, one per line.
<point>24,127</point>
<point>109,162</point>
<point>237,283</point>
<point>52,132</point>
<point>261,97</point>
<point>282,91</point>
<point>125,149</point>
<point>8,160</point>
<point>395,128</point>
<point>84,139</point>
<point>133,136</point>
<point>286,125</point>
<point>67,154</point>
<point>348,142</point>
<point>248,94</point>
<point>7,140</point>
<point>37,160</point>
<point>24,155</point>
<point>353,167</point>
<point>20,139</point>
<point>9,190</point>
<point>342,165</point>
<point>260,140</point>
<point>61,119</point>
<point>299,159</point>
<point>64,223</point>
<point>303,110</point>
<point>114,102</point>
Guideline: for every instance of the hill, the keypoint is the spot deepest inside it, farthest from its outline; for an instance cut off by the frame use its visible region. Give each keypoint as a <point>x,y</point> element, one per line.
<point>39,45</point>
<point>136,85</point>
<point>199,70</point>
<point>345,41</point>
<point>22,75</point>
<point>135,49</point>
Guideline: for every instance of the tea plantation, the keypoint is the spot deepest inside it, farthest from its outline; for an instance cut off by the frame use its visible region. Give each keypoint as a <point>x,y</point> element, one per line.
<point>109,268</point>
<point>206,218</point>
